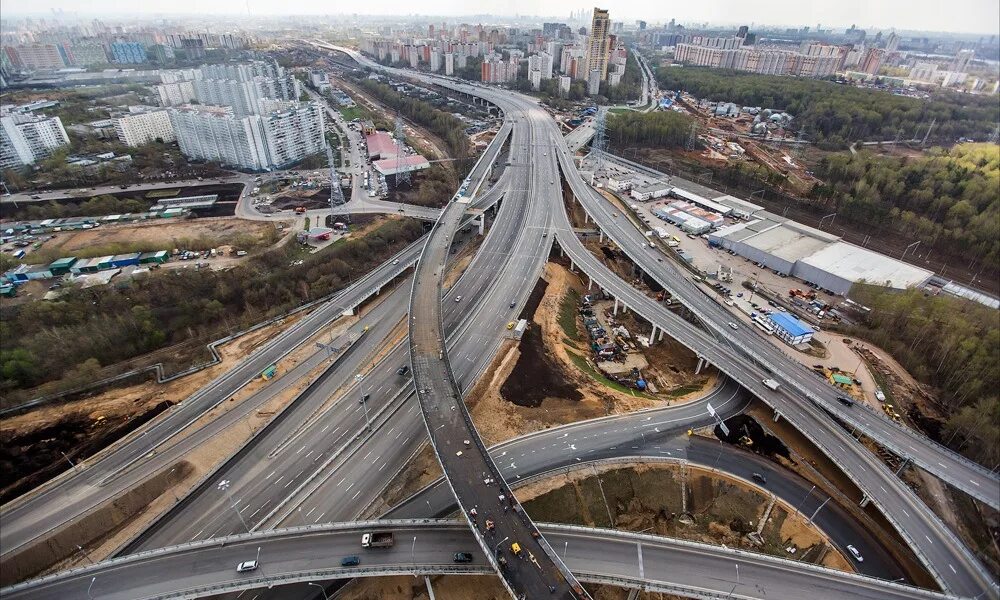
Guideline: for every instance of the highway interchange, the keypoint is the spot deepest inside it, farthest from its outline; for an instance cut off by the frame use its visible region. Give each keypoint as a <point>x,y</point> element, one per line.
<point>517,236</point>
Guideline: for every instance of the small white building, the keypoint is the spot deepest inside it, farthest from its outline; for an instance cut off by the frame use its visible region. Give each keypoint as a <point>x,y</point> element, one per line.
<point>656,189</point>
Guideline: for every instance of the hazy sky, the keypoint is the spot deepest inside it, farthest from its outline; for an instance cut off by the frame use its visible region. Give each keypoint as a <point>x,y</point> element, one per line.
<point>966,16</point>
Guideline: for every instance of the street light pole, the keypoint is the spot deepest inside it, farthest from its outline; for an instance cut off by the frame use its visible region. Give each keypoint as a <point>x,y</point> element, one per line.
<point>803,501</point>
<point>89,587</point>
<point>497,547</point>
<point>364,403</point>
<point>223,486</point>
<point>321,588</point>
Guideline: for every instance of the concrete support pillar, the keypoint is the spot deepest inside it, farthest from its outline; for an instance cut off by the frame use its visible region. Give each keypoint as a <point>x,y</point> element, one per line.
<point>700,366</point>
<point>600,231</point>
<point>430,590</point>
<point>865,500</point>
<point>562,253</point>
<point>586,217</point>
<point>590,283</point>
<point>661,335</point>
<point>616,306</point>
<point>482,224</point>
<point>652,336</point>
<point>777,416</point>
<point>572,266</point>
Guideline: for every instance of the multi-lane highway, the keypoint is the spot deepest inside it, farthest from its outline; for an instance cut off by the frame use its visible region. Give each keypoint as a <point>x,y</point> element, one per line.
<point>299,555</point>
<point>77,491</point>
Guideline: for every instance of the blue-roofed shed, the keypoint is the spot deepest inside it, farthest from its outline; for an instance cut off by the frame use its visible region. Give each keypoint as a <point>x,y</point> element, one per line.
<point>790,329</point>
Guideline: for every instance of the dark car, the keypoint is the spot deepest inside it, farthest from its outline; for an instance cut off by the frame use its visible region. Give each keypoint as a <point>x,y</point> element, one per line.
<point>463,557</point>
<point>350,561</point>
<point>759,478</point>
<point>403,370</point>
<point>845,401</point>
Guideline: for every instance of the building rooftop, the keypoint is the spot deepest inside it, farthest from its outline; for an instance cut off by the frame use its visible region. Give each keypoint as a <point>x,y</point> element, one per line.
<point>790,324</point>
<point>393,165</point>
<point>786,243</point>
<point>855,263</point>
<point>381,144</point>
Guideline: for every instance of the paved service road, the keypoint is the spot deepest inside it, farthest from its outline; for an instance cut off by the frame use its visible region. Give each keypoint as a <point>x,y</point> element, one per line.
<point>299,555</point>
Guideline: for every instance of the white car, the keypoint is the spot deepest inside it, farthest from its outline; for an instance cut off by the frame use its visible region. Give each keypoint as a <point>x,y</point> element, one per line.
<point>855,553</point>
<point>733,326</point>
<point>247,565</point>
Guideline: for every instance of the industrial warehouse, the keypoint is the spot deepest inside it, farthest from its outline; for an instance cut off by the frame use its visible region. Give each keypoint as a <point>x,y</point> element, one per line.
<point>814,256</point>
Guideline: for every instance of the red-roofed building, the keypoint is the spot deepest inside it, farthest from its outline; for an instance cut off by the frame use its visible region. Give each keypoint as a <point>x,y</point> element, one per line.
<point>391,166</point>
<point>381,145</point>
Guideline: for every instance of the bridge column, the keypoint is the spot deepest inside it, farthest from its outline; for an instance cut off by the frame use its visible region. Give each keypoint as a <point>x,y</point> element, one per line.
<point>616,307</point>
<point>865,500</point>
<point>652,335</point>
<point>482,224</point>
<point>702,363</point>
<point>430,590</point>
<point>661,335</point>
<point>590,283</point>
<point>572,266</point>
<point>600,231</point>
<point>777,416</point>
<point>586,217</point>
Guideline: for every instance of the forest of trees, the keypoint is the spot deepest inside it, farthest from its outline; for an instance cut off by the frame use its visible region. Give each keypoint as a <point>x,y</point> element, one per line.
<point>442,124</point>
<point>948,199</point>
<point>951,344</point>
<point>105,204</point>
<point>665,129</point>
<point>87,328</point>
<point>835,115</point>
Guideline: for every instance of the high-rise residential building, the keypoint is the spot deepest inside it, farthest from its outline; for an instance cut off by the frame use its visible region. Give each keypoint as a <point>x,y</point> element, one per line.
<point>85,55</point>
<point>872,61</point>
<point>127,53</point>
<point>285,133</point>
<point>594,82</point>
<point>26,138</point>
<point>892,42</point>
<point>175,94</point>
<point>816,60</point>
<point>565,82</point>
<point>961,61</point>
<point>435,60</point>
<point>545,65</point>
<point>535,77</point>
<point>449,64</point>
<point>143,125</point>
<point>597,43</point>
<point>38,57</point>
<point>244,96</point>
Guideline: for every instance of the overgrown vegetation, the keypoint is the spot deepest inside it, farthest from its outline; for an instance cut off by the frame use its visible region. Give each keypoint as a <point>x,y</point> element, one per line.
<point>665,129</point>
<point>835,115</point>
<point>951,344</point>
<point>567,314</point>
<point>950,199</point>
<point>88,328</point>
<point>104,204</point>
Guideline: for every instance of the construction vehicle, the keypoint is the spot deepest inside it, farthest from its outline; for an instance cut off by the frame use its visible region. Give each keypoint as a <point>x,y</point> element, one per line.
<point>269,372</point>
<point>300,209</point>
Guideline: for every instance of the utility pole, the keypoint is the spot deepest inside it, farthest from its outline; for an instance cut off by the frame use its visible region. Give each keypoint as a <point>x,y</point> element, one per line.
<point>402,175</point>
<point>928,134</point>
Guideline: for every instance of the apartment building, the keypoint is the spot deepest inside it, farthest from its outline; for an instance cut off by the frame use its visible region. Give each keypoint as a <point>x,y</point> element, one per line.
<point>26,138</point>
<point>36,57</point>
<point>598,44</point>
<point>245,95</point>
<point>175,94</point>
<point>128,53</point>
<point>284,133</point>
<point>142,125</point>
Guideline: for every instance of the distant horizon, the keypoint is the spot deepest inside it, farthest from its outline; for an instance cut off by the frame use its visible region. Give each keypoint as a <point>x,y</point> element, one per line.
<point>957,17</point>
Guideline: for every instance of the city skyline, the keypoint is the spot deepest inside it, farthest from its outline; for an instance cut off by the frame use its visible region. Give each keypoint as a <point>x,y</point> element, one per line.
<point>962,16</point>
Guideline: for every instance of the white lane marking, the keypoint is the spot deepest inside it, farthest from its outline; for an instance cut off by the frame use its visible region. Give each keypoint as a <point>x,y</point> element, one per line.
<point>638,546</point>
<point>269,474</point>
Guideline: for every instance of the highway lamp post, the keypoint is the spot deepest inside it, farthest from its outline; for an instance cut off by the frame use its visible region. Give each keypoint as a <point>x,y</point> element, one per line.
<point>299,510</point>
<point>84,552</point>
<point>497,546</point>
<point>413,559</point>
<point>364,401</point>
<point>321,588</point>
<point>70,461</point>
<point>737,573</point>
<point>565,549</point>
<point>803,501</point>
<point>223,486</point>
<point>90,587</point>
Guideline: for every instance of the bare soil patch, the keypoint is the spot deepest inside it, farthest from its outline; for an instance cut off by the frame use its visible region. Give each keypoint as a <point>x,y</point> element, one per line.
<point>165,235</point>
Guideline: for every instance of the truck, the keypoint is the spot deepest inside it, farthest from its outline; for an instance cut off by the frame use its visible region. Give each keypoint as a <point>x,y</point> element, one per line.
<point>269,372</point>
<point>377,539</point>
<point>771,384</point>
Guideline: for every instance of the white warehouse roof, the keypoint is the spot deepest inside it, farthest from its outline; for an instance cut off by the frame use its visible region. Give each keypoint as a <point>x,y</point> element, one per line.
<point>855,263</point>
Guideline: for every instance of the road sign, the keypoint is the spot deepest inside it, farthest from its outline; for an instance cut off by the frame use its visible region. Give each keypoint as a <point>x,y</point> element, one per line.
<point>711,409</point>
<point>722,426</point>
